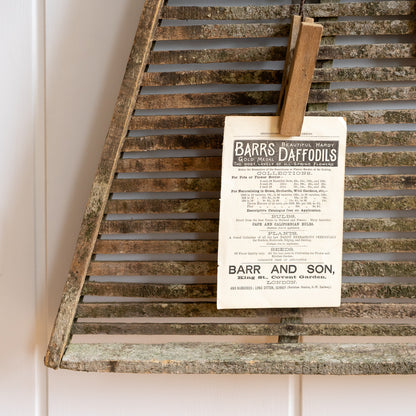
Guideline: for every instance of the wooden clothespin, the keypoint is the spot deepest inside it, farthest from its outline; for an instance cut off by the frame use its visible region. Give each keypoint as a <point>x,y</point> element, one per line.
<point>303,47</point>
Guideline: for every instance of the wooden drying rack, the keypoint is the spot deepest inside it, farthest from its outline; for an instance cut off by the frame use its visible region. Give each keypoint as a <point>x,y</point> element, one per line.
<point>173,220</point>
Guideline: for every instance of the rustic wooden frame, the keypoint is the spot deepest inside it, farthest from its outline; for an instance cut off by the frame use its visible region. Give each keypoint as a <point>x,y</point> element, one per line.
<point>287,356</point>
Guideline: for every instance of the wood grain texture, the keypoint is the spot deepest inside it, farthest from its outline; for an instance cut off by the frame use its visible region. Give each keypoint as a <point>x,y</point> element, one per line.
<point>101,186</point>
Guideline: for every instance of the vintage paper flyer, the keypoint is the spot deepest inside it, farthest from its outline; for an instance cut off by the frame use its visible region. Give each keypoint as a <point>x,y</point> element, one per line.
<point>281,214</point>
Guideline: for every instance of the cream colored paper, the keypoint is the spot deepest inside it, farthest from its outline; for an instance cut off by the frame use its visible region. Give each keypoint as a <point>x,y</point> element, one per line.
<point>281,214</point>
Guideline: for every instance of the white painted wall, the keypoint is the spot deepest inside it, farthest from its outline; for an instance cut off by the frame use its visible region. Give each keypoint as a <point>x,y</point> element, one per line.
<point>62,63</point>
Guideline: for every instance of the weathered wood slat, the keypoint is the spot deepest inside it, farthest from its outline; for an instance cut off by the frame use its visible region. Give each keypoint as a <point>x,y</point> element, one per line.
<point>101,186</point>
<point>182,206</point>
<point>267,30</point>
<point>210,225</point>
<point>167,185</point>
<point>208,291</point>
<point>209,268</point>
<point>276,53</point>
<point>358,182</point>
<point>159,226</point>
<point>178,142</point>
<point>404,73</point>
<point>209,358</point>
<point>152,268</point>
<point>379,182</point>
<point>226,99</point>
<point>167,246</point>
<point>381,138</point>
<point>213,163</point>
<point>83,328</point>
<point>155,206</point>
<point>377,203</point>
<point>170,164</point>
<point>217,120</point>
<point>209,309</point>
<point>173,142</point>
<point>394,8</point>
<point>375,159</point>
<point>379,225</point>
<point>378,245</point>
<point>364,245</point>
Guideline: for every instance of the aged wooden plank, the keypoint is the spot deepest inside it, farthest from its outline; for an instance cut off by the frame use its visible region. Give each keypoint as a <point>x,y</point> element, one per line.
<point>379,245</point>
<point>276,53</point>
<point>190,291</point>
<point>225,99</point>
<point>375,159</point>
<point>208,291</point>
<point>100,188</point>
<point>267,30</point>
<point>170,164</point>
<point>166,246</point>
<point>167,185</point>
<point>208,358</point>
<point>196,141</point>
<point>295,329</point>
<point>159,226</point>
<point>152,268</point>
<point>209,268</point>
<point>210,225</point>
<point>357,182</point>
<point>217,120</point>
<point>209,309</point>
<point>378,182</point>
<point>388,8</point>
<point>379,268</point>
<point>379,224</point>
<point>203,77</point>
<point>376,203</point>
<point>155,206</point>
<point>381,138</point>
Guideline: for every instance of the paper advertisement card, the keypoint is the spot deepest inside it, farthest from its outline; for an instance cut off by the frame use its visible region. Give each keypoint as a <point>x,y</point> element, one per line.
<point>281,214</point>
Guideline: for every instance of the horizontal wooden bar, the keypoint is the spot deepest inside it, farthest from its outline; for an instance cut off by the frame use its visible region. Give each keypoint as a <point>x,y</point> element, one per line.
<point>213,163</point>
<point>227,99</point>
<point>167,185</point>
<point>156,246</point>
<point>211,206</point>
<point>276,53</point>
<point>159,226</point>
<point>209,358</point>
<point>379,182</point>
<point>388,8</point>
<point>217,120</point>
<point>170,164</point>
<point>362,245</point>
<point>156,206</point>
<point>152,268</point>
<point>84,328</point>
<point>209,309</point>
<point>377,203</point>
<point>357,182</point>
<point>211,225</point>
<point>209,268</point>
<point>379,245</point>
<point>209,291</point>
<point>196,141</point>
<point>173,142</point>
<point>268,30</point>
